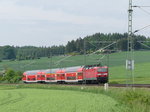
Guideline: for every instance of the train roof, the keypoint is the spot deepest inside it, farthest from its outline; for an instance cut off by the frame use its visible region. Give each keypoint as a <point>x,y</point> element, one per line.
<point>52,70</point>
<point>58,70</point>
<point>74,69</point>
<point>32,72</point>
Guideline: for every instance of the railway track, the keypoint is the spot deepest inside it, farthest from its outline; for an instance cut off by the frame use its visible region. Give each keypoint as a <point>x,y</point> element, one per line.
<point>114,85</point>
<point>130,85</point>
<point>110,85</point>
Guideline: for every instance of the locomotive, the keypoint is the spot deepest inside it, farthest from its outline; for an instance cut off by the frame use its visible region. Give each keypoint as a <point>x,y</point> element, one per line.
<point>79,74</point>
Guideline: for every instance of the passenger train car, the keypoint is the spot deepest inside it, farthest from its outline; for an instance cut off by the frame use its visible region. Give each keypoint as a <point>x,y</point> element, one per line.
<point>78,74</point>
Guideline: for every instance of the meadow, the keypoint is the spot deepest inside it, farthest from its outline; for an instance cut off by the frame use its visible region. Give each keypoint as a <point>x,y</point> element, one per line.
<point>115,61</point>
<point>54,98</point>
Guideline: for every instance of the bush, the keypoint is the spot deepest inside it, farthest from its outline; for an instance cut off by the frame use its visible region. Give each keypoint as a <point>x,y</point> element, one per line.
<point>12,76</point>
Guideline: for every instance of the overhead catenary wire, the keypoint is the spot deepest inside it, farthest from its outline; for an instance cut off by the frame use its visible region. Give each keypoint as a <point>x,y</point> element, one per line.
<point>141,29</point>
<point>140,7</point>
<point>144,10</point>
<point>104,47</point>
<point>144,44</point>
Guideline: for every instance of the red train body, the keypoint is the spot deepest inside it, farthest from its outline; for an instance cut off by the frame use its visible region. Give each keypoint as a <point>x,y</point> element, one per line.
<point>87,74</point>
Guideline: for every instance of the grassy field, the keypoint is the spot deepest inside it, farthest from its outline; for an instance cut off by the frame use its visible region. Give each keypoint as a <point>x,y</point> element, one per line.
<point>37,100</point>
<point>54,98</point>
<point>116,62</point>
<point>141,74</point>
<point>115,59</point>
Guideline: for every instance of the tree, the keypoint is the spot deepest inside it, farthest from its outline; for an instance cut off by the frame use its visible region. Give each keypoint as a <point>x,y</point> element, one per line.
<point>9,75</point>
<point>9,52</point>
<point>13,76</point>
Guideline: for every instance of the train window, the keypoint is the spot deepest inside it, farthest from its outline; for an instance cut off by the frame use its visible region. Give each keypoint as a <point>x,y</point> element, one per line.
<point>43,75</point>
<point>102,70</point>
<point>50,78</point>
<point>71,78</point>
<point>80,74</point>
<point>58,75</point>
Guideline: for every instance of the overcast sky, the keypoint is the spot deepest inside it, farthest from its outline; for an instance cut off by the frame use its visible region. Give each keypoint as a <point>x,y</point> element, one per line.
<point>54,22</point>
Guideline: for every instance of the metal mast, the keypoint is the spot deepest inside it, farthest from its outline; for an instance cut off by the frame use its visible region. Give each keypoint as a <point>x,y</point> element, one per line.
<point>130,53</point>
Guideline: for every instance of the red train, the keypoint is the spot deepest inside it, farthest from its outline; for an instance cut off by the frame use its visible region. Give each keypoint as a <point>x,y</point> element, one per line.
<point>87,74</point>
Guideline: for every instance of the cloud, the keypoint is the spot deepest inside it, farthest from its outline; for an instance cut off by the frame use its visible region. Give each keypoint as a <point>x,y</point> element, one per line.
<point>10,11</point>
<point>67,12</point>
<point>57,21</point>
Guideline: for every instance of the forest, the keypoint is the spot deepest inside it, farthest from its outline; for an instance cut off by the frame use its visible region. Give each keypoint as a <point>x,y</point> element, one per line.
<point>88,44</point>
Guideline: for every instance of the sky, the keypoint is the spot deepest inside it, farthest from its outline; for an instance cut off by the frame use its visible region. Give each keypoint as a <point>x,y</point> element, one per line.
<point>55,22</point>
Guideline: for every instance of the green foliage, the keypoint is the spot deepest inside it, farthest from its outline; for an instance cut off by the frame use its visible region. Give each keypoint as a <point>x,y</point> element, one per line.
<point>17,77</point>
<point>12,76</point>
<point>9,75</point>
<point>7,52</point>
<point>137,100</point>
<point>134,96</point>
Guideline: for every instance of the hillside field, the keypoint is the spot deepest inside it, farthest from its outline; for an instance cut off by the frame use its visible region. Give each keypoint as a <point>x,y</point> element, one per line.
<point>115,61</point>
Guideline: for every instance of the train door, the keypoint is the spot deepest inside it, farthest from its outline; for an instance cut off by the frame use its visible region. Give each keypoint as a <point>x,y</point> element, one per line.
<point>60,78</point>
<point>43,78</point>
<point>80,76</point>
<point>38,78</point>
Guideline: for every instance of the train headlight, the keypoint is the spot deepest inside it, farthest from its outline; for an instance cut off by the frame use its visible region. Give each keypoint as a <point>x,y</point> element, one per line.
<point>102,74</point>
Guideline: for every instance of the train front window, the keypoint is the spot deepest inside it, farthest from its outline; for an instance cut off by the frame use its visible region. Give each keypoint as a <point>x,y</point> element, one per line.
<point>102,70</point>
<point>80,74</point>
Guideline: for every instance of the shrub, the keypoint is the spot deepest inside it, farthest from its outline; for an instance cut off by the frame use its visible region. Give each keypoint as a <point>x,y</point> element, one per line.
<point>12,76</point>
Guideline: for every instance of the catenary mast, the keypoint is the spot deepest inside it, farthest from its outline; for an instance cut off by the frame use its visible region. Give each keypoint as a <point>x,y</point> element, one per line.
<point>130,53</point>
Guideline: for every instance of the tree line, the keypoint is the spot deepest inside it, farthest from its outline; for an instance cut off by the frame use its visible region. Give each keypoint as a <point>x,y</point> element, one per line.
<point>87,44</point>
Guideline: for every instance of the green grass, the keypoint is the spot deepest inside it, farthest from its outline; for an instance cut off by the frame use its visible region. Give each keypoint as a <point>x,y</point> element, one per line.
<point>39,100</point>
<point>141,74</point>
<point>117,59</point>
<point>54,98</point>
